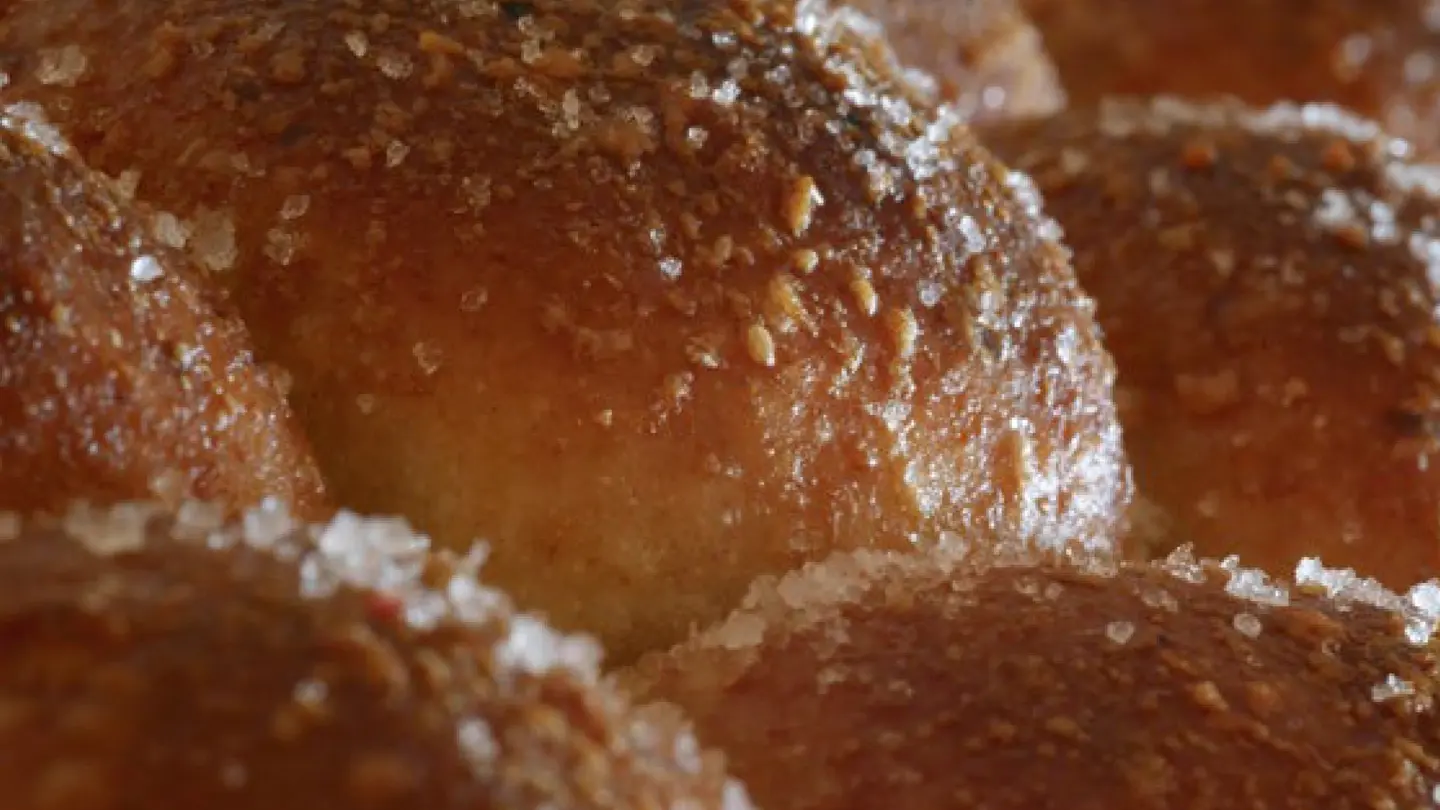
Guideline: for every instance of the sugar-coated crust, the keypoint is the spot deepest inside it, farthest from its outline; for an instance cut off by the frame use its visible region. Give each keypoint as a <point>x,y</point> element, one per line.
<point>119,376</point>
<point>1375,56</point>
<point>878,680</point>
<point>1269,282</point>
<point>653,295</point>
<point>176,661</point>
<point>983,56</point>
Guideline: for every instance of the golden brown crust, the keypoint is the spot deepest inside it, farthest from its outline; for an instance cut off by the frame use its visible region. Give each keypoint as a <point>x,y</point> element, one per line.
<point>177,662</point>
<point>654,295</point>
<point>1267,282</point>
<point>119,379</point>
<point>1374,56</point>
<point>983,56</point>
<point>901,683</point>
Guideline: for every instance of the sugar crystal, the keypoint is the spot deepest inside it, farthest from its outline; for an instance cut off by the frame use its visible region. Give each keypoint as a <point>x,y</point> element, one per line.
<point>316,580</point>
<point>144,269</point>
<point>1413,178</point>
<point>570,106</point>
<point>197,519</point>
<point>213,240</point>
<point>1335,210</point>
<point>727,93</point>
<point>735,797</point>
<point>30,118</point>
<point>118,530</point>
<point>168,230</point>
<point>1419,68</point>
<point>1344,586</point>
<point>1255,586</point>
<point>395,153</point>
<point>643,55</point>
<point>1160,598</point>
<point>281,246</point>
<point>358,44</point>
<point>61,66</point>
<point>295,206</point>
<point>10,524</point>
<point>428,357</point>
<point>532,647</point>
<point>973,234</point>
<point>379,553</point>
<point>1247,624</point>
<point>1393,687</point>
<point>1423,613</point>
<point>1353,52</point>
<point>931,292</point>
<point>1120,632</point>
<point>395,65</point>
<point>425,610</point>
<point>1310,571</point>
<point>471,601</point>
<point>268,524</point>
<point>474,299</point>
<point>687,753</point>
<point>477,744</point>
<point>1181,564</point>
<point>311,693</point>
<point>233,775</point>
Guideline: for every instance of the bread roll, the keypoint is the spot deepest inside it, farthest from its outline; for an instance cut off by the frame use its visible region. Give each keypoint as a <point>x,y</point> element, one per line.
<point>1267,282</point>
<point>1014,683</point>
<point>121,375</point>
<point>178,662</point>
<point>1378,57</point>
<point>655,296</point>
<point>983,56</point>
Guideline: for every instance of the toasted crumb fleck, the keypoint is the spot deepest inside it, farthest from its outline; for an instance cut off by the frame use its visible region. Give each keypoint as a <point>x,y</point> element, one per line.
<point>760,345</point>
<point>904,331</point>
<point>865,296</point>
<point>800,206</point>
<point>805,260</point>
<point>1207,695</point>
<point>64,66</point>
